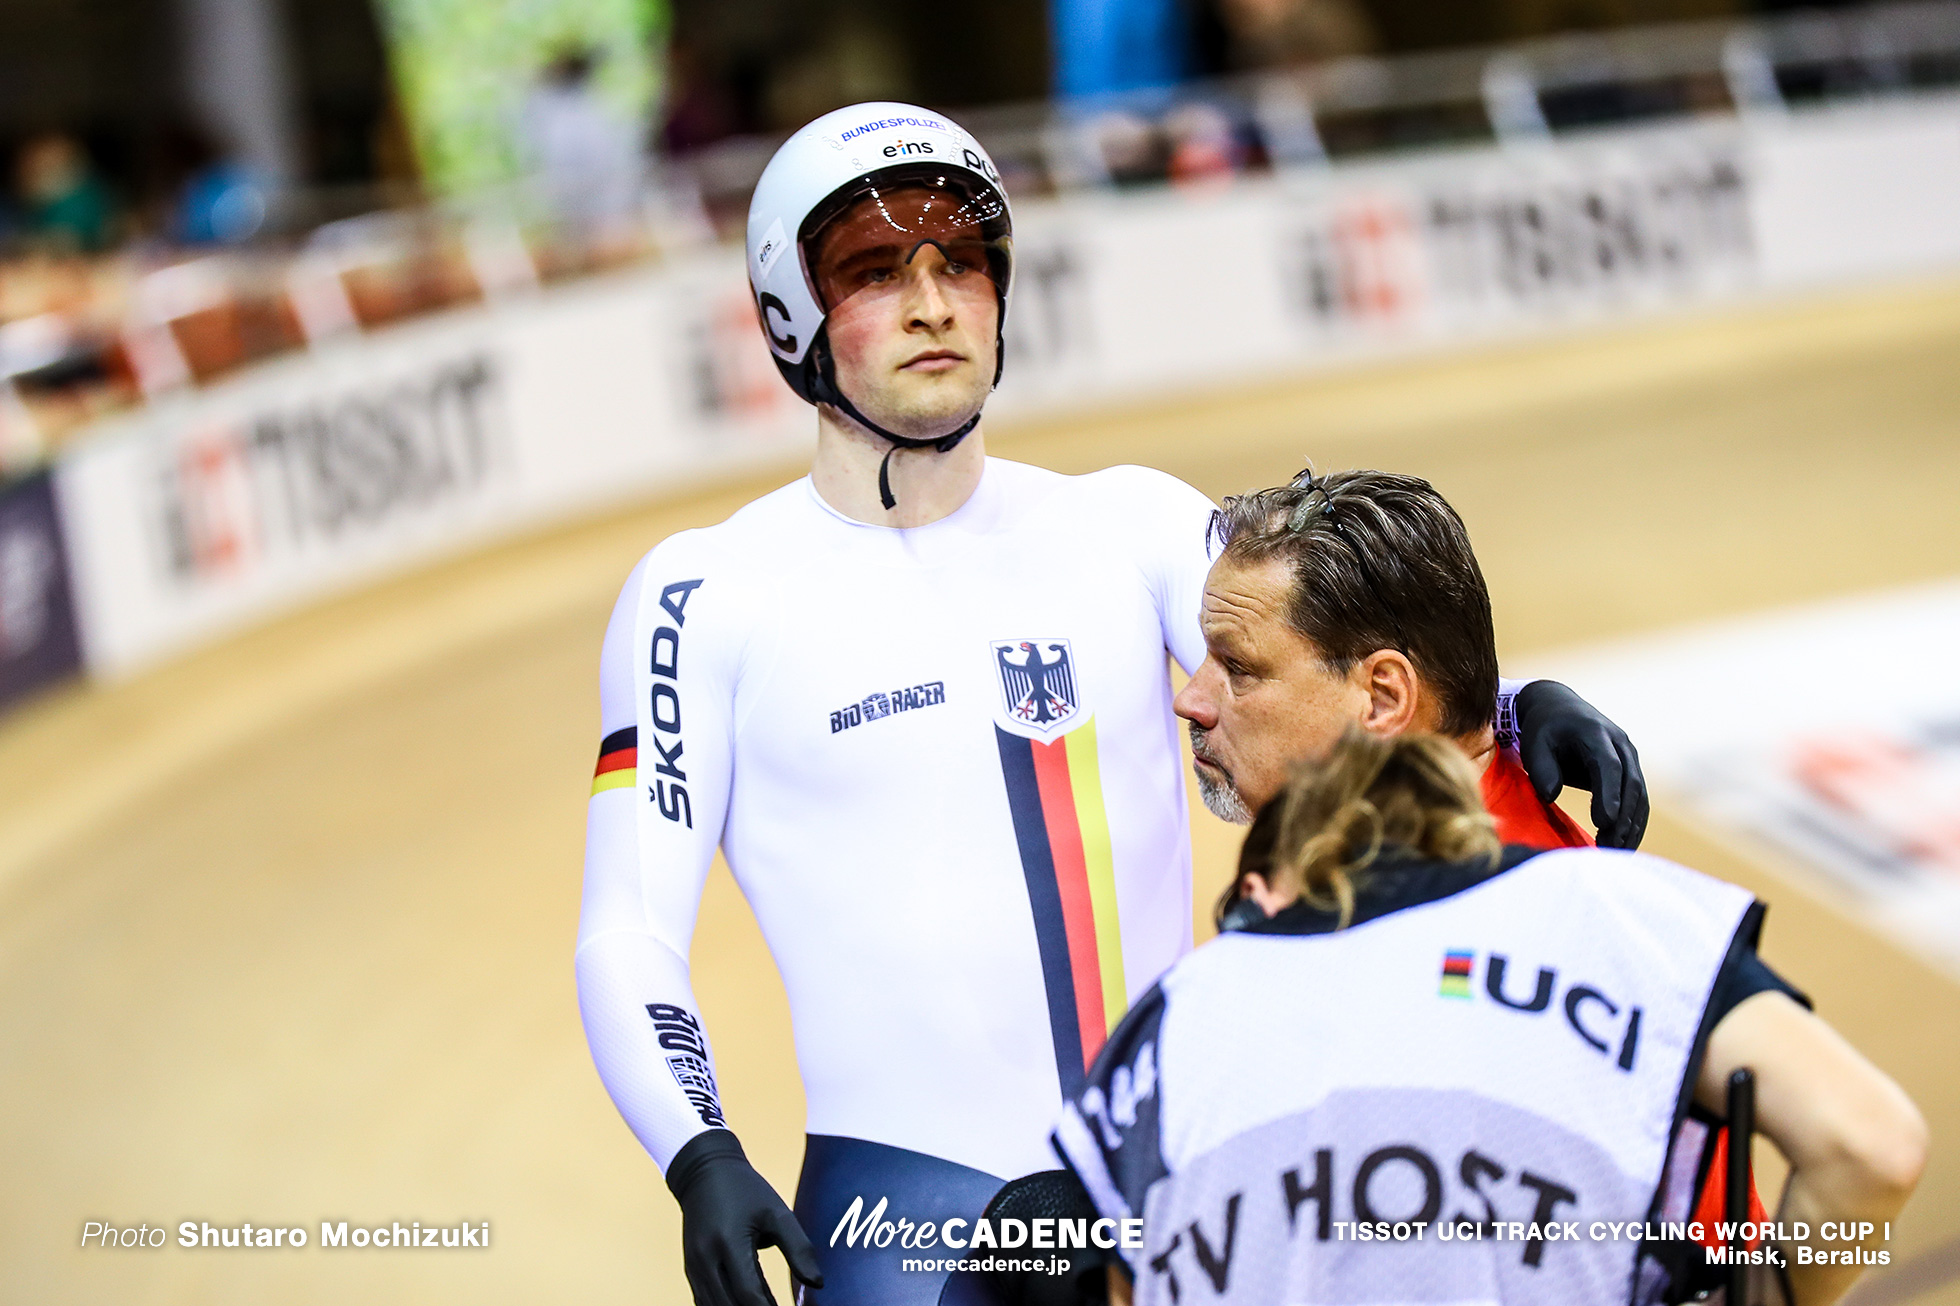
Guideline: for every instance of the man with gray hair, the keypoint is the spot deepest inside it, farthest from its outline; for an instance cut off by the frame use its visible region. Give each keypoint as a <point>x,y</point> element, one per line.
<point>1355,598</point>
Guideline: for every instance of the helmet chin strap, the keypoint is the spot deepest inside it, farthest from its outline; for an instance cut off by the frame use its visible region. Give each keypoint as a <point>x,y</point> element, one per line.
<point>826,391</point>
<point>943,444</point>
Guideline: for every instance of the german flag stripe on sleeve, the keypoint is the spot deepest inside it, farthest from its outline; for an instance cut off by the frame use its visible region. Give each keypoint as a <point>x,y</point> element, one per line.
<point>619,761</point>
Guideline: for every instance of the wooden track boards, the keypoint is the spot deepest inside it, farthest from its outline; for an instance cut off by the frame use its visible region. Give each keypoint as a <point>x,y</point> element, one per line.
<point>285,928</point>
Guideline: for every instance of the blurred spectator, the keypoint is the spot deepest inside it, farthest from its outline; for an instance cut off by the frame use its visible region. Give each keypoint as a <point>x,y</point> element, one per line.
<point>1106,47</point>
<point>585,155</point>
<point>223,203</point>
<point>64,204</point>
<point>1205,143</point>
<point>191,192</point>
<point>1130,147</point>
<point>1265,34</point>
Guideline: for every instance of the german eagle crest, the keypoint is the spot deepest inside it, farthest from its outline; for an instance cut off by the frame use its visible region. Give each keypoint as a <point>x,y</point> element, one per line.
<point>1037,682</point>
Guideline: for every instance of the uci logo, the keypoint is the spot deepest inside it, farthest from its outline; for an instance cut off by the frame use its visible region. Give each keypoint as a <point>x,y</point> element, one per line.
<point>1592,1015</point>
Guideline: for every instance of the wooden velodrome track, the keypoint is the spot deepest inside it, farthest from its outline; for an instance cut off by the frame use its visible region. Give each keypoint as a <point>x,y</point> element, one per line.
<point>285,927</point>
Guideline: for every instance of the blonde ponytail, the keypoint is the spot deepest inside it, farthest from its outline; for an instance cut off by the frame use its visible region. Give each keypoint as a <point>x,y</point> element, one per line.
<point>1327,828</point>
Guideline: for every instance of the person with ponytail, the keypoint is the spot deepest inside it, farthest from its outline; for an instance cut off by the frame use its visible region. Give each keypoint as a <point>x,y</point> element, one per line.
<point>1324,836</point>
<point>1446,1069</point>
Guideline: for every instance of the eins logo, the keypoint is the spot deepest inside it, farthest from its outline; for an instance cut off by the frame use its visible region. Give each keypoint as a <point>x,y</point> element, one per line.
<point>899,148</point>
<point>1598,1020</point>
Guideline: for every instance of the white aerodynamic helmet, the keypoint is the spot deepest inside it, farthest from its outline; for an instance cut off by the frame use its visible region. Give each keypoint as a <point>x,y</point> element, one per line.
<point>823,171</point>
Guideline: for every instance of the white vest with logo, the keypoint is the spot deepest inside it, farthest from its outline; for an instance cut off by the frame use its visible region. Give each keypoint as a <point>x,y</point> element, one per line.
<point>1509,1062</point>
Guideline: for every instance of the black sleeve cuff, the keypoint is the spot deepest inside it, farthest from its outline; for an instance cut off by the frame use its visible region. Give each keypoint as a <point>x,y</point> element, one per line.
<point>1744,979</point>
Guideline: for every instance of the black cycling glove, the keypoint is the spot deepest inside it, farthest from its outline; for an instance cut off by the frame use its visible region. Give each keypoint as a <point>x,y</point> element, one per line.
<point>1564,740</point>
<point>728,1214</point>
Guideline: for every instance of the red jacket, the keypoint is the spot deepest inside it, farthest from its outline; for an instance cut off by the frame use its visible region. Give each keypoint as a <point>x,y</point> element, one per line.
<point>1520,816</point>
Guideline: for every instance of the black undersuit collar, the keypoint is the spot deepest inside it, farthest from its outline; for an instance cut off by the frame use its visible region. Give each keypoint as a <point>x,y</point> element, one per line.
<point>1398,880</point>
